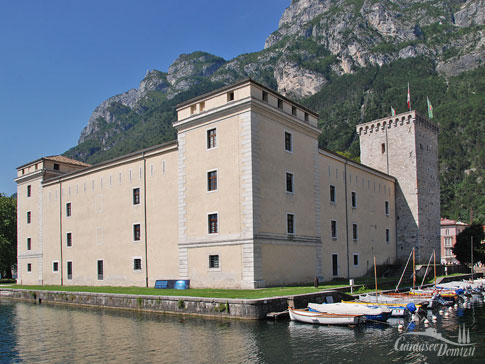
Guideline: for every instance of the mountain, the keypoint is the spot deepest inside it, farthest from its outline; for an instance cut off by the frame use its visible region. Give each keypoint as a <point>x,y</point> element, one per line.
<point>349,60</point>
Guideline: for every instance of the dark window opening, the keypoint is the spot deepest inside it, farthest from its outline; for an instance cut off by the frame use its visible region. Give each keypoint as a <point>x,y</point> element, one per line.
<point>265,96</point>
<point>280,104</point>
<point>136,196</point>
<point>335,264</point>
<point>29,217</point>
<point>68,209</point>
<point>137,264</point>
<point>383,148</point>
<point>213,228</point>
<point>29,190</point>
<point>293,110</point>
<point>354,199</point>
<point>230,96</point>
<point>211,138</point>
<point>29,267</point>
<point>29,243</point>
<point>213,261</point>
<point>290,223</point>
<point>69,270</point>
<point>332,194</point>
<point>56,166</point>
<point>69,239</point>
<point>288,142</point>
<point>136,232</point>
<point>289,182</point>
<point>212,181</point>
<point>333,228</point>
<point>356,259</point>
<point>55,266</point>
<point>355,234</point>
<point>100,270</point>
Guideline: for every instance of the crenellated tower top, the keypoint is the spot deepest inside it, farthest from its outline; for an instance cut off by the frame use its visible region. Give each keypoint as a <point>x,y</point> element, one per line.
<point>402,119</point>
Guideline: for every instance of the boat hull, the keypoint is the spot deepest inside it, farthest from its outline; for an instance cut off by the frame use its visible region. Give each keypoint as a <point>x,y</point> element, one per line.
<point>318,318</point>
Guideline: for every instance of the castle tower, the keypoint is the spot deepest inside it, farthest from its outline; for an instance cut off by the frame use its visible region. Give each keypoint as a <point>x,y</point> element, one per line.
<point>406,147</point>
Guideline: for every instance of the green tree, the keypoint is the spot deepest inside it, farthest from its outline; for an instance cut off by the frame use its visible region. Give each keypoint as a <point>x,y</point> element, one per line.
<point>462,249</point>
<point>8,235</point>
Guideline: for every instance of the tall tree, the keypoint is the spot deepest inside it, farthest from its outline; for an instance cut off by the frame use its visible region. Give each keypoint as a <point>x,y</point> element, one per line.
<point>8,235</point>
<point>462,249</point>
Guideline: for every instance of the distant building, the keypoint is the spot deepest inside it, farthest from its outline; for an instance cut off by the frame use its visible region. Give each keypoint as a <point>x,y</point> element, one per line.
<point>449,231</point>
<point>244,198</point>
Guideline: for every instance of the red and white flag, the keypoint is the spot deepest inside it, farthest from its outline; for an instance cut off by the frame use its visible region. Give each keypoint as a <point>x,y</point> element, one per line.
<point>409,99</point>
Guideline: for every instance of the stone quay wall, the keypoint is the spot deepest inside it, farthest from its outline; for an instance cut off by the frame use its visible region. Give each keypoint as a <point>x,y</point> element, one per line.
<point>251,309</point>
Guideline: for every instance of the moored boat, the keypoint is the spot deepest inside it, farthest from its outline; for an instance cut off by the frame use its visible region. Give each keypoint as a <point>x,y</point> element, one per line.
<point>396,310</point>
<point>307,316</point>
<point>371,313</point>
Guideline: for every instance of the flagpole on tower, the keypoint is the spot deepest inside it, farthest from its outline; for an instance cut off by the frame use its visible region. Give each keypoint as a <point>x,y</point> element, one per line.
<point>409,99</point>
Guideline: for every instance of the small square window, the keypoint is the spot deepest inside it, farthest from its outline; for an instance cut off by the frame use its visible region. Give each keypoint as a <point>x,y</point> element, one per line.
<point>356,259</point>
<point>55,266</point>
<point>354,200</point>
<point>293,110</point>
<point>289,182</point>
<point>136,196</point>
<point>214,261</point>
<point>100,266</point>
<point>29,244</point>
<point>68,209</point>
<point>69,270</point>
<point>280,104</point>
<point>332,194</point>
<point>386,207</point>
<point>290,223</point>
<point>230,96</point>
<point>136,232</point>
<point>29,217</point>
<point>288,142</point>
<point>29,267</point>
<point>355,233</point>
<point>29,190</point>
<point>211,138</point>
<point>213,224</point>
<point>265,96</point>
<point>212,181</point>
<point>333,229</point>
<point>137,264</point>
<point>69,239</point>
<point>56,167</point>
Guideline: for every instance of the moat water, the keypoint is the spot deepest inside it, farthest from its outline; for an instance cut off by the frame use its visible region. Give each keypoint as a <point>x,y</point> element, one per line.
<point>33,333</point>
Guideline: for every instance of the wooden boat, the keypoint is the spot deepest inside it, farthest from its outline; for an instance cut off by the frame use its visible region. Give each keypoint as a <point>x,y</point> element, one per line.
<point>310,317</point>
<point>371,313</point>
<point>396,310</point>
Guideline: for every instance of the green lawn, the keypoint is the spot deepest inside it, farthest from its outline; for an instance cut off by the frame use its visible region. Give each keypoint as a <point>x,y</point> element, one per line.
<point>193,292</point>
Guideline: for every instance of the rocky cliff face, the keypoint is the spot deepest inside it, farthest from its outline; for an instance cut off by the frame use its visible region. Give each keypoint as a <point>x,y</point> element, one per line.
<point>320,38</point>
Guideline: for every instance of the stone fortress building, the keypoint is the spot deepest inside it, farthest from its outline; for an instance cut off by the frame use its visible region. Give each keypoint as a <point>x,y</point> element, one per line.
<point>244,198</point>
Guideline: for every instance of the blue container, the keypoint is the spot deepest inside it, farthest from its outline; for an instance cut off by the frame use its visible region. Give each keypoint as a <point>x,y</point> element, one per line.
<point>182,284</point>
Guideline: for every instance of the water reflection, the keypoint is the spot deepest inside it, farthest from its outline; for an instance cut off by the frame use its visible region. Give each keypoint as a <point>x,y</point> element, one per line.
<point>60,334</point>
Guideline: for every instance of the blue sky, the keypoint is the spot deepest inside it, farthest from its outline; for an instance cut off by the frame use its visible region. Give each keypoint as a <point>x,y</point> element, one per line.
<point>59,59</point>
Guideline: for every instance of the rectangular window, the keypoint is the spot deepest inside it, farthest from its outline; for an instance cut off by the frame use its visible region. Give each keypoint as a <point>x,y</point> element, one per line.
<point>29,190</point>
<point>29,267</point>
<point>354,199</point>
<point>265,96</point>
<point>333,228</point>
<point>211,138</point>
<point>137,264</point>
<point>335,264</point>
<point>289,182</point>
<point>56,166</point>
<point>386,207</point>
<point>230,96</point>
<point>288,142</point>
<point>201,106</point>
<point>212,181</point>
<point>307,117</point>
<point>293,110</point>
<point>332,194</point>
<point>136,232</point>
<point>290,223</point>
<point>29,243</point>
<point>69,270</point>
<point>193,109</point>
<point>388,235</point>
<point>68,209</point>
<point>213,228</point>
<point>280,104</point>
<point>29,217</point>
<point>383,148</point>
<point>213,261</point>
<point>356,260</point>
<point>100,270</point>
<point>55,266</point>
<point>69,239</point>
<point>355,233</point>
<point>136,196</point>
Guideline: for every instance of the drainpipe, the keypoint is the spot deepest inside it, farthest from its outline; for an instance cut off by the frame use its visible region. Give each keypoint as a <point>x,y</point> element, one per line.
<point>61,263</point>
<point>145,215</point>
<point>346,218</point>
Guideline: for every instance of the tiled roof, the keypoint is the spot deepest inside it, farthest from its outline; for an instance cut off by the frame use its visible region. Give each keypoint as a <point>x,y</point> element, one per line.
<point>62,159</point>
<point>444,221</point>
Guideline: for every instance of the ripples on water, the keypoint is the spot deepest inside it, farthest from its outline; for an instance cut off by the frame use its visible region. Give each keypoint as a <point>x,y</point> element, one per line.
<point>60,334</point>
